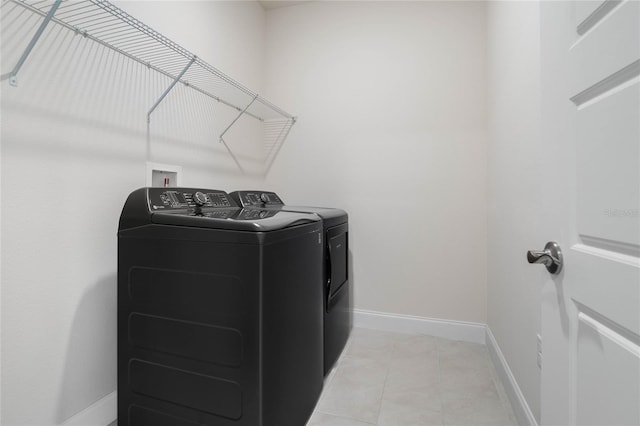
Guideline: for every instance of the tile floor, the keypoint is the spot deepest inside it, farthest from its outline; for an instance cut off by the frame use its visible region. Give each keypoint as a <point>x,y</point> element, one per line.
<point>393,379</point>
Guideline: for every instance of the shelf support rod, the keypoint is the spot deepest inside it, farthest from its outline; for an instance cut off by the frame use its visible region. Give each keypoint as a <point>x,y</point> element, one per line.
<point>232,155</point>
<point>222,141</point>
<point>171,86</point>
<point>13,75</point>
<point>236,119</point>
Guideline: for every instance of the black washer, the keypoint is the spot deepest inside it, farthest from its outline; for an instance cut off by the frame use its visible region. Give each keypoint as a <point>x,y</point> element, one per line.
<point>219,312</point>
<point>337,297</point>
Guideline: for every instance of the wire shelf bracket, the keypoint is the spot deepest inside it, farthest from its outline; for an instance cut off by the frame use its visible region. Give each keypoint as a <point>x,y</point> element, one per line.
<point>13,75</point>
<point>171,86</point>
<point>102,22</point>
<point>236,119</point>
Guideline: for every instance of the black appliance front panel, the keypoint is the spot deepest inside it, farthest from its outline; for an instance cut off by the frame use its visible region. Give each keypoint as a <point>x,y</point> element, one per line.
<point>216,326</point>
<point>337,259</point>
<point>337,244</point>
<point>338,297</point>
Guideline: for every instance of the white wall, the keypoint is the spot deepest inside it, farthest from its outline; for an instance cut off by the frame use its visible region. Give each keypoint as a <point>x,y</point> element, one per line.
<point>391,99</point>
<point>515,193</point>
<point>74,145</point>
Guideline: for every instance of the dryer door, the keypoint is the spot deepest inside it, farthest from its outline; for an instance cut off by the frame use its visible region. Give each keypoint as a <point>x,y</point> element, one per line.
<point>337,261</point>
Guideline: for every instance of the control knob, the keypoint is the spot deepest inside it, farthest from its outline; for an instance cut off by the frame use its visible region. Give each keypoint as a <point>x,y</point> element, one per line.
<point>200,199</point>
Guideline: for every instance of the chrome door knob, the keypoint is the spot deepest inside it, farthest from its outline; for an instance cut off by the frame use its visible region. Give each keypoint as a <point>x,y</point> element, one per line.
<point>551,257</point>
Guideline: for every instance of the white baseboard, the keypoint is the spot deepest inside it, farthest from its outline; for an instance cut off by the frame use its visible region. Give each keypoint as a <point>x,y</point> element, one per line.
<point>448,329</point>
<point>521,409</point>
<point>101,413</point>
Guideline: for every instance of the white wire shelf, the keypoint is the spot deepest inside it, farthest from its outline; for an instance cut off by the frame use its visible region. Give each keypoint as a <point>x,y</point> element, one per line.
<point>110,26</point>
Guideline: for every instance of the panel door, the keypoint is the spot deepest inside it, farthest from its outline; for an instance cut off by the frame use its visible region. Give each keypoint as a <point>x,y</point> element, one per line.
<point>591,129</point>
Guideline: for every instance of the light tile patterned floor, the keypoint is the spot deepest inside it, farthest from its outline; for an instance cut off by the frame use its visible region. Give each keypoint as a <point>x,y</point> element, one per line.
<point>392,379</point>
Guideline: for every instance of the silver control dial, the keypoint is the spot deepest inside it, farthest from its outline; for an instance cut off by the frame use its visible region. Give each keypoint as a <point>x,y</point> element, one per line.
<point>200,198</point>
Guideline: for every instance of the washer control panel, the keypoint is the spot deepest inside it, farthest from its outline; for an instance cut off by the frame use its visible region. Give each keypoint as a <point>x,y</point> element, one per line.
<point>258,198</point>
<point>188,198</point>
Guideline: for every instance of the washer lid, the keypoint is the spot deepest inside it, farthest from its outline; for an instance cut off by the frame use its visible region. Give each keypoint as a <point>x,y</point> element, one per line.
<point>202,208</point>
<point>323,212</point>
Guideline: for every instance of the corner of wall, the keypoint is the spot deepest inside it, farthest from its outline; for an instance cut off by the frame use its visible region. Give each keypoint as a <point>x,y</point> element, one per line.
<point>523,412</point>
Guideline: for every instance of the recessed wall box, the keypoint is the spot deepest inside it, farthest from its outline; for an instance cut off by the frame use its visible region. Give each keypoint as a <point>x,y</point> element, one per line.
<point>163,175</point>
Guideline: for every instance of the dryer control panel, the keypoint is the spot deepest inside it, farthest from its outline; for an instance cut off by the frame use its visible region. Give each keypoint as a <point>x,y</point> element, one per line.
<point>188,198</point>
<point>257,198</point>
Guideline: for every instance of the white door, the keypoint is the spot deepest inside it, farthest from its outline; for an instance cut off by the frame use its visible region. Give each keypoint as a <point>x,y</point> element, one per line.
<point>591,136</point>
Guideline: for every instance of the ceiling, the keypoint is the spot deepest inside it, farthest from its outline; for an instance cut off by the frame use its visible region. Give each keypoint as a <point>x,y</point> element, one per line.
<point>275,4</point>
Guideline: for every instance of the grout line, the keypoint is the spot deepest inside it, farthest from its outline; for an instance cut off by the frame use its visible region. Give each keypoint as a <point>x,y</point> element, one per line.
<point>386,377</point>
